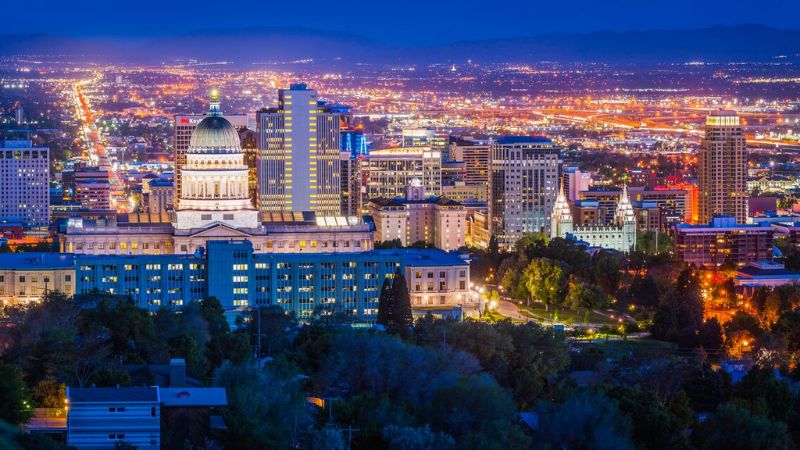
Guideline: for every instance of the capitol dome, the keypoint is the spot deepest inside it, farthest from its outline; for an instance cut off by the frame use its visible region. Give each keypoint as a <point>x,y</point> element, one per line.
<point>214,133</point>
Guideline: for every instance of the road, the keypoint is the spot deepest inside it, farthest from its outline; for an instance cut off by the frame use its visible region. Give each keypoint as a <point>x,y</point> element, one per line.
<point>96,147</point>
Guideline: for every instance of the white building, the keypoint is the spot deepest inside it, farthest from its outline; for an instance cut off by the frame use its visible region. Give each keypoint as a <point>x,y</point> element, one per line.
<point>621,235</point>
<point>298,157</point>
<point>182,134</point>
<point>24,184</point>
<point>214,179</point>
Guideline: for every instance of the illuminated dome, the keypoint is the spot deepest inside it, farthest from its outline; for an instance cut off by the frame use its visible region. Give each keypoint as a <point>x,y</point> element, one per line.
<point>214,134</point>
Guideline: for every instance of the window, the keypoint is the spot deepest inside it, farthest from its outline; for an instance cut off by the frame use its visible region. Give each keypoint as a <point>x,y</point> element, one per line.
<point>205,217</point>
<point>21,278</point>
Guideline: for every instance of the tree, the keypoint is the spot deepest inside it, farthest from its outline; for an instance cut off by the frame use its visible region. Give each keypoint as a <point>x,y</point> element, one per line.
<point>494,247</point>
<point>732,427</point>
<point>265,408</point>
<point>765,395</point>
<point>546,281</point>
<point>653,426</point>
<point>710,337</point>
<point>586,296</point>
<point>14,402</point>
<point>587,420</point>
<point>49,393</point>
<point>605,269</point>
<point>394,304</point>
<point>328,438</point>
<point>385,303</point>
<point>421,438</point>
<point>401,314</point>
<point>644,291</point>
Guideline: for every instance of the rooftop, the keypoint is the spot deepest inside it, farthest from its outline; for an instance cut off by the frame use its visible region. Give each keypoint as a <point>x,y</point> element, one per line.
<point>186,396</point>
<point>37,261</point>
<point>107,395</point>
<point>524,140</point>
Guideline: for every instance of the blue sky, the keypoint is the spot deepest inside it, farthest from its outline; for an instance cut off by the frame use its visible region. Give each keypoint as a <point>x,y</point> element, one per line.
<point>406,22</point>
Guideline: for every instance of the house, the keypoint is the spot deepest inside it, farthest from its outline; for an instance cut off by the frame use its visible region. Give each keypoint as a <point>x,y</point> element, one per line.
<point>98,418</point>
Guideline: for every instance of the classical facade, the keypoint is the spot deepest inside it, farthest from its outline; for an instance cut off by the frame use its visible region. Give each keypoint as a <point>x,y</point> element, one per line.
<point>619,235</point>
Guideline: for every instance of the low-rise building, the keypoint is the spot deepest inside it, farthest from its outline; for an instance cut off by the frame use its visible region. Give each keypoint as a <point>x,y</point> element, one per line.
<point>300,283</point>
<point>723,240</point>
<point>99,418</point>
<point>438,221</point>
<point>760,274</point>
<point>27,277</point>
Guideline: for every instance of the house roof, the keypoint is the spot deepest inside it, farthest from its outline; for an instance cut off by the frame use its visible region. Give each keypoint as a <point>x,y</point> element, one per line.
<point>194,397</point>
<point>112,395</point>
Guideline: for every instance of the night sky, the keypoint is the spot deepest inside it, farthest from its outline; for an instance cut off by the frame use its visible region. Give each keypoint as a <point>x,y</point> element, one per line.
<point>408,22</point>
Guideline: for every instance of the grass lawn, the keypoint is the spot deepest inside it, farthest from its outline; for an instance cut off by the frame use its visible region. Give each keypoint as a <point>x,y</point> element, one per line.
<point>565,316</point>
<point>494,316</point>
<point>616,348</point>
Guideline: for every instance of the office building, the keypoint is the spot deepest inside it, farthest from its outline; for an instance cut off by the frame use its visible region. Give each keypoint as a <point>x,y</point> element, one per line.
<point>24,184</point>
<point>425,137</point>
<point>28,277</point>
<point>388,172</point>
<point>182,134</point>
<point>298,282</point>
<point>437,221</point>
<point>353,142</point>
<point>523,186</point>
<point>298,160</point>
<point>723,240</point>
<point>159,195</point>
<point>350,184</point>
<point>723,168</point>
<point>574,182</point>
<point>249,141</point>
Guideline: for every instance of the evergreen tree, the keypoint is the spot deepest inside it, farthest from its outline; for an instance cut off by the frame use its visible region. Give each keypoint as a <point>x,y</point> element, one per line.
<point>401,311</point>
<point>385,303</point>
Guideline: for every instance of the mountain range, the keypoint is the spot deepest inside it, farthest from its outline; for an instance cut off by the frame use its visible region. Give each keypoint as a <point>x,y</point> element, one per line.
<point>254,45</point>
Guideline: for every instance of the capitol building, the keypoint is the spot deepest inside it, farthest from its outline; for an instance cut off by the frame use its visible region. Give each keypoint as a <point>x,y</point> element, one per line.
<point>215,205</point>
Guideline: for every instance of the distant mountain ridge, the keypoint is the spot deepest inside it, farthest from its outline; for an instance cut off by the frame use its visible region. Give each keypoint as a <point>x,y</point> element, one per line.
<point>262,44</point>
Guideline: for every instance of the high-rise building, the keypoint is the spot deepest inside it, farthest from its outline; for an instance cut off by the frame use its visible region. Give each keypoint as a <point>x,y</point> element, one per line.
<point>182,134</point>
<point>298,160</point>
<point>475,156</point>
<point>351,186</point>
<point>523,186</point>
<point>723,168</point>
<point>574,181</point>
<point>249,140</point>
<point>24,188</point>
<point>388,172</point>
